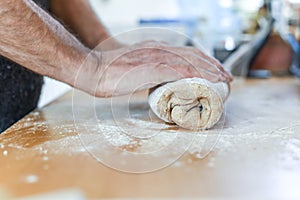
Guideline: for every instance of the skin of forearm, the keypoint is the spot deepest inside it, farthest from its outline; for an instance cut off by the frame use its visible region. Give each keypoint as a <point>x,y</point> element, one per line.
<point>81,19</point>
<point>32,38</point>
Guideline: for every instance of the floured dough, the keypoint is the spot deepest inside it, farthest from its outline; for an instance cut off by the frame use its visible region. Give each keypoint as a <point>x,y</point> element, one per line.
<point>191,103</point>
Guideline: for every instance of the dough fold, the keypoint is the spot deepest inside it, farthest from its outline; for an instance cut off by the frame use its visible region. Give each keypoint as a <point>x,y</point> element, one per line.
<point>191,103</point>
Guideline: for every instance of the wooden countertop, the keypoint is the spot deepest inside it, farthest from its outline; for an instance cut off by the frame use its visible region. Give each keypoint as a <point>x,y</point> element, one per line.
<point>88,144</point>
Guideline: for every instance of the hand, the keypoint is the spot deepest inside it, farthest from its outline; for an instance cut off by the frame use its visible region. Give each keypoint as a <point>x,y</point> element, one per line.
<point>109,44</point>
<point>147,64</point>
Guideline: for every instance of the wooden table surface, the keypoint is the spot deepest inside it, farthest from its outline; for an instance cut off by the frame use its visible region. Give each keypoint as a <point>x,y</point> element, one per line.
<point>116,148</point>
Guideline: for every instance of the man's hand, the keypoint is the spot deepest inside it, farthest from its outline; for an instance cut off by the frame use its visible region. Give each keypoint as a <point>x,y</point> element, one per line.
<point>32,38</point>
<point>145,65</point>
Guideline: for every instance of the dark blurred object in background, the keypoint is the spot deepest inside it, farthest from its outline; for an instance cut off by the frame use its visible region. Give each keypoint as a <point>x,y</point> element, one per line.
<point>276,55</point>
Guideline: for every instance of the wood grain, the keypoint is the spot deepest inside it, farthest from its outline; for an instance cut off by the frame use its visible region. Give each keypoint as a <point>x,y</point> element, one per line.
<point>254,152</point>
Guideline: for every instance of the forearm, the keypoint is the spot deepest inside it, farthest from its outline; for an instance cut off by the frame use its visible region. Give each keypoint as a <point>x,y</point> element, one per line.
<point>30,37</point>
<point>81,19</point>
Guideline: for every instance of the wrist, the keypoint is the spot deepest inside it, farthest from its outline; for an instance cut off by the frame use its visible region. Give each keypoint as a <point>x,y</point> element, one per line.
<point>87,72</point>
<point>75,66</point>
<point>109,44</point>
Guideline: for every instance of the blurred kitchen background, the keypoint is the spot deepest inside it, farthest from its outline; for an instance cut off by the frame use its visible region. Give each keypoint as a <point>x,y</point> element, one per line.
<point>257,38</point>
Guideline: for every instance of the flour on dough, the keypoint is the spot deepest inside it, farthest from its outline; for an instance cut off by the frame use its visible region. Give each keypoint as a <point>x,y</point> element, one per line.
<point>191,103</point>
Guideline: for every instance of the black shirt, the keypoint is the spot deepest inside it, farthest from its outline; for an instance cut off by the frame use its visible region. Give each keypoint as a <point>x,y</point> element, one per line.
<point>19,88</point>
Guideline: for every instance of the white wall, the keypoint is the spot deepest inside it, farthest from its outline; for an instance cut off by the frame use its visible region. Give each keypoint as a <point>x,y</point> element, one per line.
<point>52,89</point>
<point>119,15</point>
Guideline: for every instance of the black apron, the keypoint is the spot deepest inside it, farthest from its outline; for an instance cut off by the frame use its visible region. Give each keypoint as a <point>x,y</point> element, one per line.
<point>19,88</point>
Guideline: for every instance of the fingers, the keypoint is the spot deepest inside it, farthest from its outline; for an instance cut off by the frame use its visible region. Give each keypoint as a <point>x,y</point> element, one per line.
<point>214,62</point>
<point>186,62</point>
<point>187,69</point>
<point>194,63</point>
<point>200,64</point>
<point>147,64</point>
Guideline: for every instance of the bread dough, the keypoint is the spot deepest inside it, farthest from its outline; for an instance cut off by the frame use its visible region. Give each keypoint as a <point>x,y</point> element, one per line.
<point>191,103</point>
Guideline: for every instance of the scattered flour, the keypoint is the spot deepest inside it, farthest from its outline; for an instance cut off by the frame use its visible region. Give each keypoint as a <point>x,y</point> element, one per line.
<point>5,152</point>
<point>31,178</point>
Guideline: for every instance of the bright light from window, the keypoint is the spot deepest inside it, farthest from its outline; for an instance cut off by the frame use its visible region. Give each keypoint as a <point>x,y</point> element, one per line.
<point>229,43</point>
<point>226,3</point>
<point>248,5</point>
<point>294,1</point>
